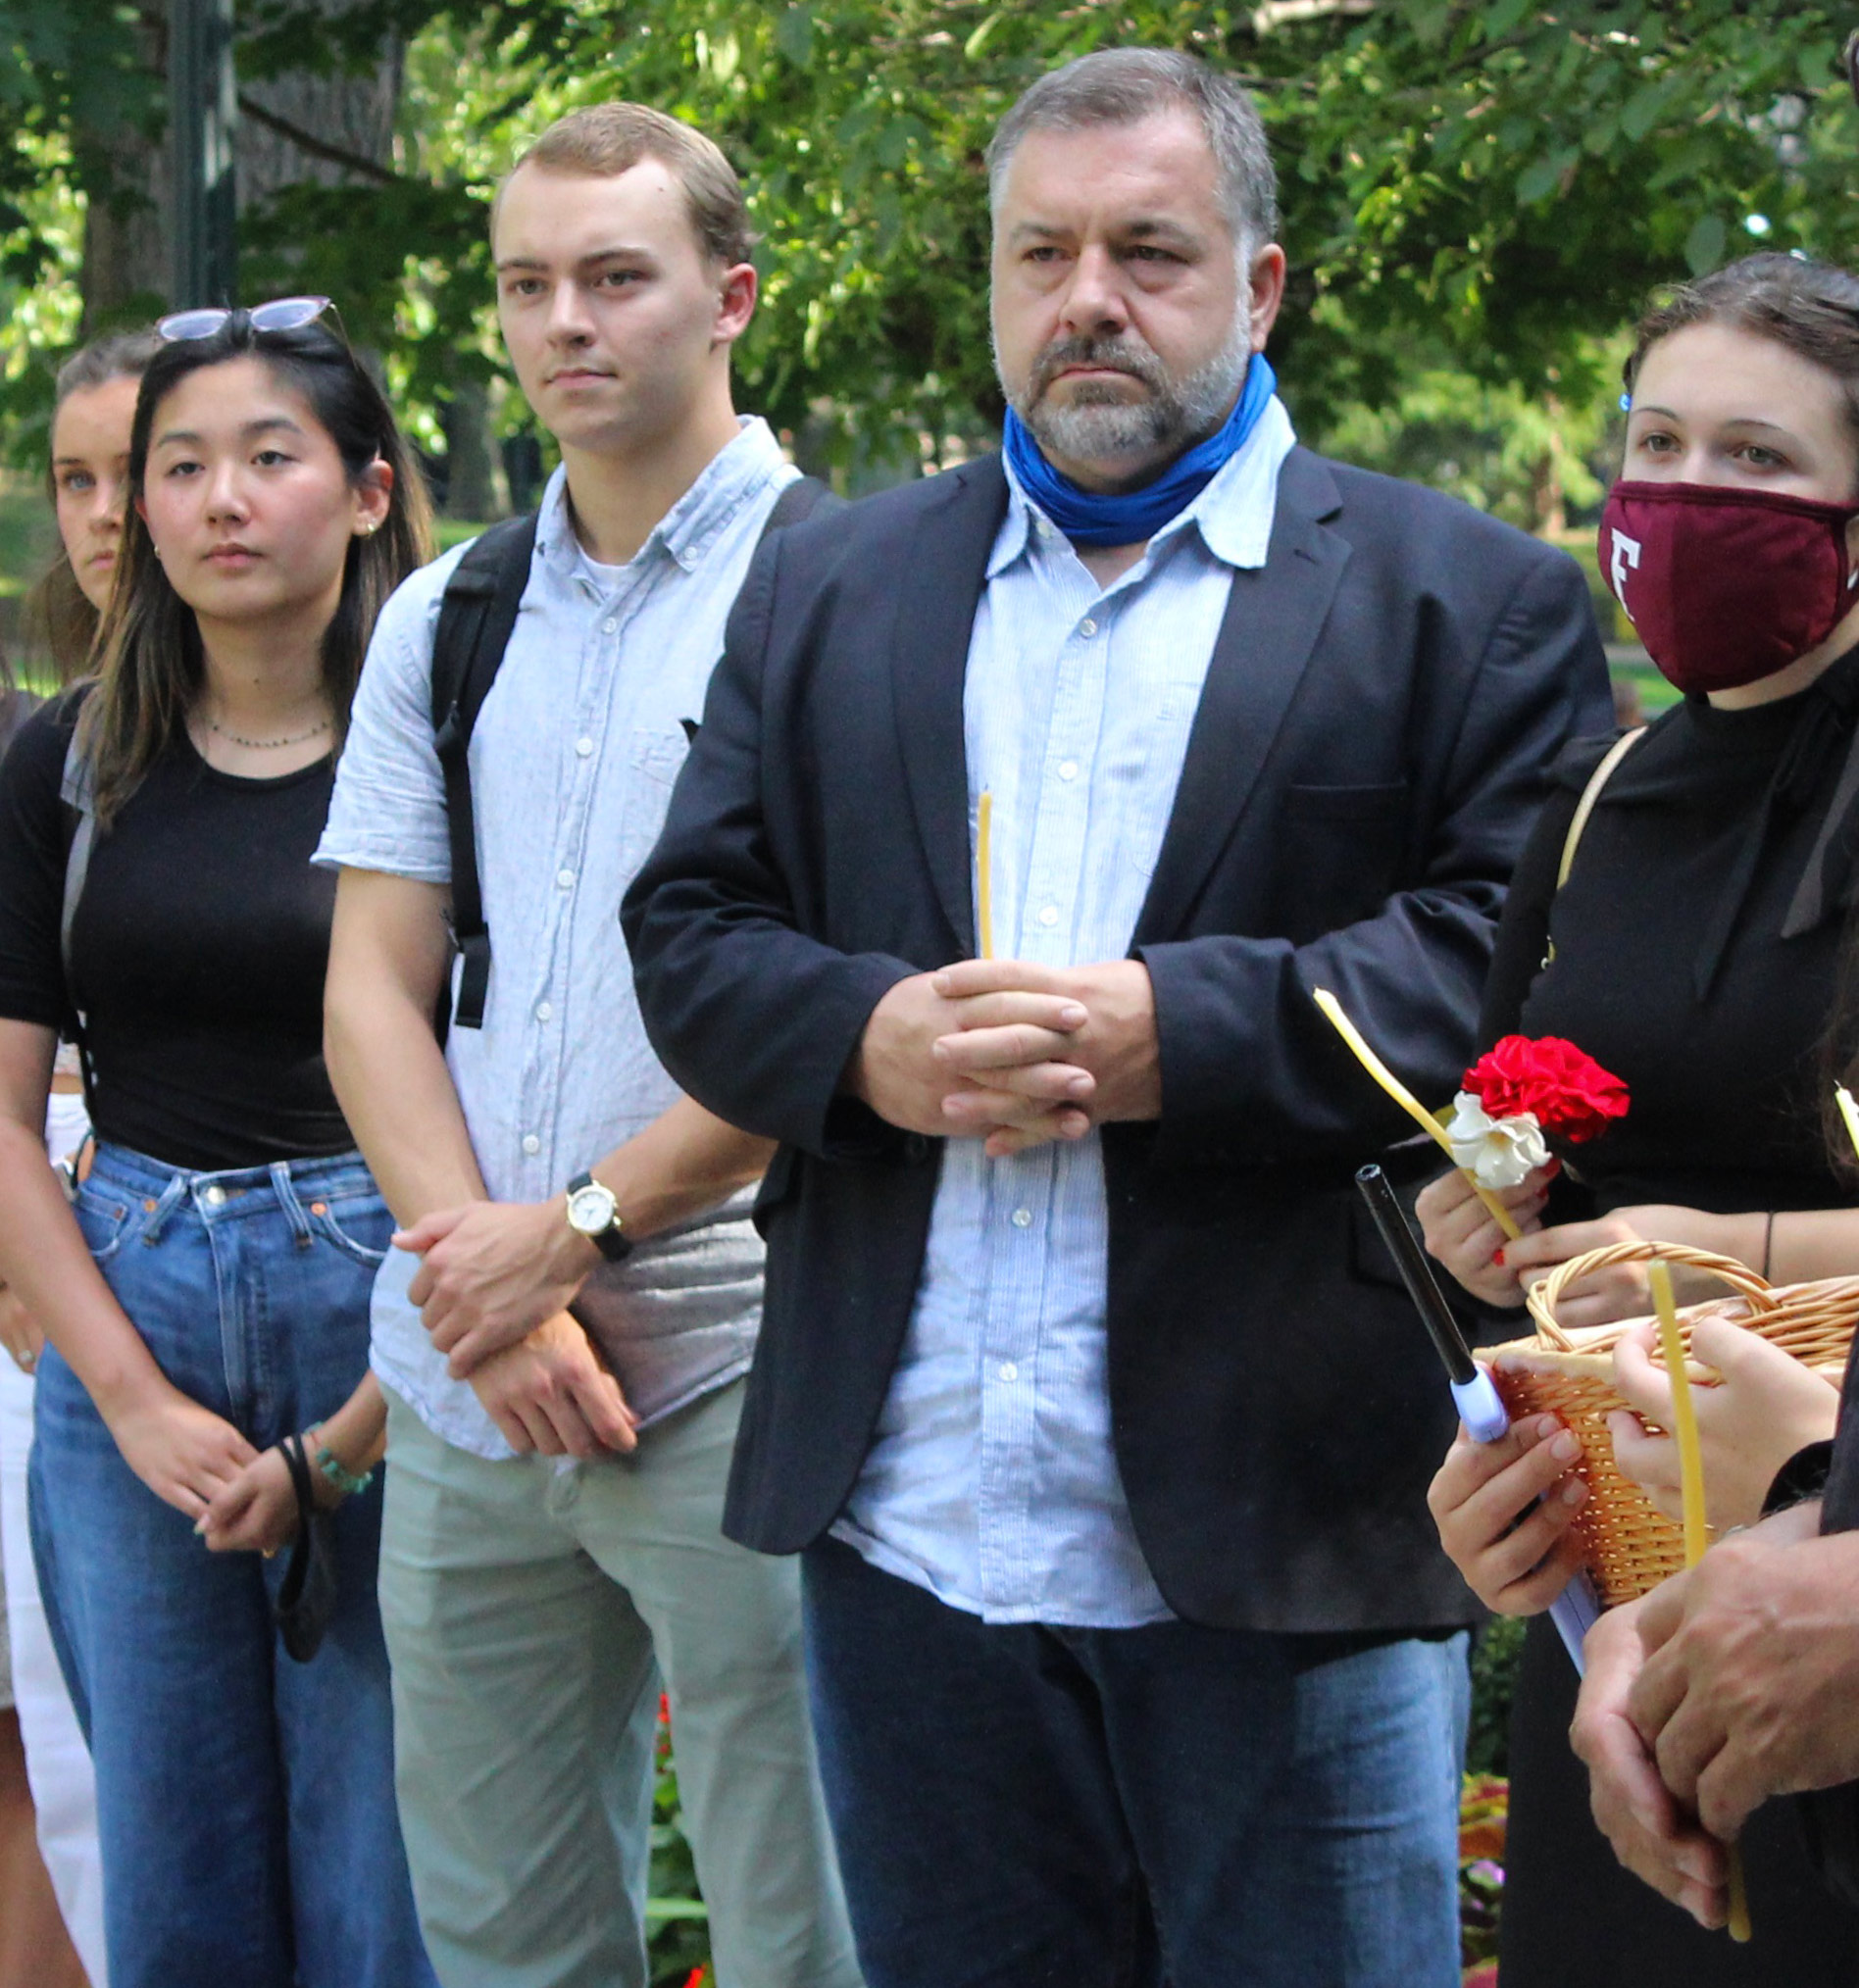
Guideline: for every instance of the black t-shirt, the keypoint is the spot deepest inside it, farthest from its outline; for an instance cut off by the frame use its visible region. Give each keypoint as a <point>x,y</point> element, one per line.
<point>199,950</point>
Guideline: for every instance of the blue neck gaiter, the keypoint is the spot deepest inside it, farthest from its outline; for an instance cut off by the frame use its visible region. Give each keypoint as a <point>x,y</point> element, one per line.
<point>1096,517</point>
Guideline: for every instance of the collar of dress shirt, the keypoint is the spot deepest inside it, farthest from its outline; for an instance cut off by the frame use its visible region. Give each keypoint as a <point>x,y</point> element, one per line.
<point>732,477</point>
<point>1232,515</point>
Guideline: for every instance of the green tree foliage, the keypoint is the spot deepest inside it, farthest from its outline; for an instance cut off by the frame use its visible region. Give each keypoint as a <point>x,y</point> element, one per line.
<point>1485,187</point>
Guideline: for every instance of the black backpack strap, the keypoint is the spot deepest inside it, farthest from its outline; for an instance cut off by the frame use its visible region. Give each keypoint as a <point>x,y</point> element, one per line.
<point>800,501</point>
<point>477,614</point>
<point>77,789</point>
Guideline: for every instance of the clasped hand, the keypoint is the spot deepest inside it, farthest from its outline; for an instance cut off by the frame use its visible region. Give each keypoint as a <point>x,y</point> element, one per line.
<point>1013,1053</point>
<point>490,1273</point>
<point>1727,1684</point>
<point>494,1284</point>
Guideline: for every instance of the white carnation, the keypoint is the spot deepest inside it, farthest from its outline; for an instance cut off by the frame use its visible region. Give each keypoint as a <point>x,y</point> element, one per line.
<point>1495,1152</point>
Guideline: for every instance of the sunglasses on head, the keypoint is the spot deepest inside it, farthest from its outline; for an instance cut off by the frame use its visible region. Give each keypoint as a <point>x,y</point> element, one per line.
<point>282,314</point>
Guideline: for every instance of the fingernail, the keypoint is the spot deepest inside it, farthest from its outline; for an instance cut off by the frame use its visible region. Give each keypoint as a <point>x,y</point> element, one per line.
<point>1546,1426</point>
<point>1080,1085</point>
<point>1070,1014</point>
<point>1497,1256</point>
<point>1574,1491</point>
<point>1565,1447</point>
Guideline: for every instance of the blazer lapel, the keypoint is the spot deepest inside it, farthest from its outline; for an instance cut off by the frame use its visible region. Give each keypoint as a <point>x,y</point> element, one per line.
<point>1273,617</point>
<point>937,601</point>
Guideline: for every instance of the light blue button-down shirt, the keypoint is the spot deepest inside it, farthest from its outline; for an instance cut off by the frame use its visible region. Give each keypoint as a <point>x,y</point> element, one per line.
<point>573,760</point>
<point>991,1480</point>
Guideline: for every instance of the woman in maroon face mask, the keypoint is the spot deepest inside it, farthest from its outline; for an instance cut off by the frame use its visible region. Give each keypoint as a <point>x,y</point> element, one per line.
<point>1695,950</point>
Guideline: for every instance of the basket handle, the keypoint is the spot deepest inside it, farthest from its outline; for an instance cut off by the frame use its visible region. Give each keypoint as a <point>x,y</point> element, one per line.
<point>1541,1298</point>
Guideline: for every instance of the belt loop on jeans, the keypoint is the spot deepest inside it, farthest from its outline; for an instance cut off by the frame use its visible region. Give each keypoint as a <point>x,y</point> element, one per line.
<point>171,1196</point>
<point>287,1191</point>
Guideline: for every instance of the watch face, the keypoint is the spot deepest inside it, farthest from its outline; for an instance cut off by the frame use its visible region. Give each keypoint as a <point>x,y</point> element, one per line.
<point>590,1209</point>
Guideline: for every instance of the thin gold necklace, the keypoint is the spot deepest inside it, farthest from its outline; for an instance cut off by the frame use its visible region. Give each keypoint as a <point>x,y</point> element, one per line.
<point>267,745</point>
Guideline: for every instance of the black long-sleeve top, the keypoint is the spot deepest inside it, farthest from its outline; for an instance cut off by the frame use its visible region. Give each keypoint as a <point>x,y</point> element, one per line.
<point>1671,969</point>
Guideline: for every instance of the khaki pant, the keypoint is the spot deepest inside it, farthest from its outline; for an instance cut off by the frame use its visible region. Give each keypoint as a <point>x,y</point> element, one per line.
<point>532,1607</point>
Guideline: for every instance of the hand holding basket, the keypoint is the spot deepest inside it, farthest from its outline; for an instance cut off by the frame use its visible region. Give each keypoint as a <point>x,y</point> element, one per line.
<point>1630,1545</point>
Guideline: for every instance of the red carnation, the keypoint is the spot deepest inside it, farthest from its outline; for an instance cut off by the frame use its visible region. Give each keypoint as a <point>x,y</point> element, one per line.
<point>1562,1087</point>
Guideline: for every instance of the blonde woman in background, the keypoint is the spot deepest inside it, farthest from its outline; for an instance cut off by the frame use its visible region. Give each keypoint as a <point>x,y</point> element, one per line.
<point>51,1878</point>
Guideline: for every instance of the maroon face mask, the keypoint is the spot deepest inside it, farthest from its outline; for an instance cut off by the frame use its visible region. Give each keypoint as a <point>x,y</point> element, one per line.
<point>1726,585</point>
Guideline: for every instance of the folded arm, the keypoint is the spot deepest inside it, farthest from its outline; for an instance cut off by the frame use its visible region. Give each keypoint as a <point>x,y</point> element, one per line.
<point>761,1023</point>
<point>388,956</point>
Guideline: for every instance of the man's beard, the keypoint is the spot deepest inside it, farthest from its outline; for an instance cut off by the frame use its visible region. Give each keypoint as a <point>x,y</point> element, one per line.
<point>1097,425</point>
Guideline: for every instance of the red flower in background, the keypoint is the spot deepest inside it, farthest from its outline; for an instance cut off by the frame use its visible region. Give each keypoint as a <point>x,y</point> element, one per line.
<point>1562,1087</point>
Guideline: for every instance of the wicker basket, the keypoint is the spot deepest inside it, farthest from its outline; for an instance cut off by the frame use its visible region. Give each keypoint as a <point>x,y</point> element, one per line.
<point>1631,1547</point>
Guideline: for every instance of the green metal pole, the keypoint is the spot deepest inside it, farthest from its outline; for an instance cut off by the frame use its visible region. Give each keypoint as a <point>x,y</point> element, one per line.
<point>203,115</point>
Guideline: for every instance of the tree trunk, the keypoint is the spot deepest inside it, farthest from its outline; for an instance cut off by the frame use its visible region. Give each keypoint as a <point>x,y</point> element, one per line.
<point>348,115</point>
<point>294,128</point>
<point>126,268</point>
<point>471,484</point>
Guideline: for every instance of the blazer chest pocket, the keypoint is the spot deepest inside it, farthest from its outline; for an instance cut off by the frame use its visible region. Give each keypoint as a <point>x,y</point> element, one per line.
<point>1339,856</point>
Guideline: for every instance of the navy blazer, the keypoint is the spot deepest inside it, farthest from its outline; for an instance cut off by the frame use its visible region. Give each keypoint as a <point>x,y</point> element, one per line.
<point>1363,767</point>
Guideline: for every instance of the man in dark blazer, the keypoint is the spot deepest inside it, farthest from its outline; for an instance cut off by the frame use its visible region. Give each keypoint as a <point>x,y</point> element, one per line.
<point>1084,1387</point>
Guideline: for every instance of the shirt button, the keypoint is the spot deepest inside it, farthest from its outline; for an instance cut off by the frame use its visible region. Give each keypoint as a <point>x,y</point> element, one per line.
<point>530,1143</point>
<point>214,1197</point>
<point>1023,1218</point>
<point>583,746</point>
<point>565,878</point>
<point>1050,916</point>
<point>545,1011</point>
<point>1008,1371</point>
<point>609,625</point>
<point>1067,769</point>
<point>1087,626</point>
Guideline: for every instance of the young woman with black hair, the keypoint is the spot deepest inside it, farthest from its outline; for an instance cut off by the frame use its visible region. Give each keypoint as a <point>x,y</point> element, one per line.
<point>206,1295</point>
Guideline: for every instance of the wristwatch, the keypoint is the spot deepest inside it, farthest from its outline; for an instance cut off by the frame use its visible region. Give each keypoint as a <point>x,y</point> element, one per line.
<point>593,1211</point>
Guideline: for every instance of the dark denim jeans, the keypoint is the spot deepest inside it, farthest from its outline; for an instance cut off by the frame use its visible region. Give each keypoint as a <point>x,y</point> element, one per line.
<point>1019,1807</point>
<point>245,1802</point>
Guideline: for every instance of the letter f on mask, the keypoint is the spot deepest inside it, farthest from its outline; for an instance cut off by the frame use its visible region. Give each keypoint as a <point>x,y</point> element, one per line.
<point>1625,560</point>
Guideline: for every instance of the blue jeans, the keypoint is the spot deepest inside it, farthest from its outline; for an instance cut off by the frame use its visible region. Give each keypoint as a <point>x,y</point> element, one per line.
<point>245,1802</point>
<point>1122,1808</point>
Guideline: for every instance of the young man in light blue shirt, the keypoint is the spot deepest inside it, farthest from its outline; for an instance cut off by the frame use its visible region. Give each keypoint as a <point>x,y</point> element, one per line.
<point>551,1542</point>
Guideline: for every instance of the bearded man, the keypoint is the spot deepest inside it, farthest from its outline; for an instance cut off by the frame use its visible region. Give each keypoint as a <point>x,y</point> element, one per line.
<point>1030,804</point>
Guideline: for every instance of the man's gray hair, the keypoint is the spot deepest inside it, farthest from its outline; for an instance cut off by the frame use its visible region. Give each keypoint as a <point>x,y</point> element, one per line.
<point>1122,86</point>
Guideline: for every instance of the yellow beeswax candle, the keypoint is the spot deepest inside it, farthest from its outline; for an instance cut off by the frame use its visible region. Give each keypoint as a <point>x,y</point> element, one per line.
<point>1850,1112</point>
<point>1691,1487</point>
<point>1411,1105</point>
<point>985,874</point>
